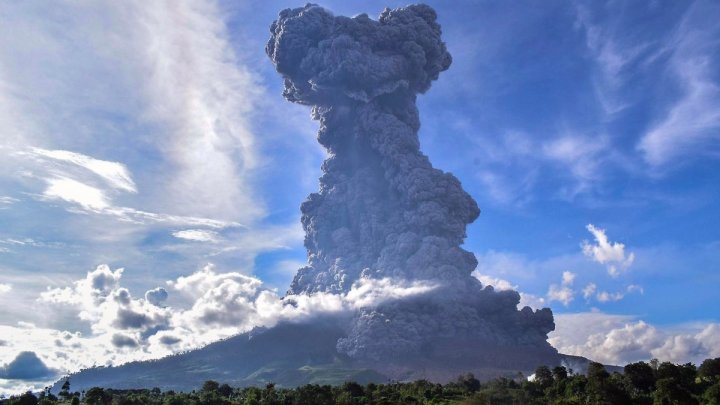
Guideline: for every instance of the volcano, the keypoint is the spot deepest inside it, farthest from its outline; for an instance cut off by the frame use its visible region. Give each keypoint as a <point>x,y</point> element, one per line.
<point>383,213</point>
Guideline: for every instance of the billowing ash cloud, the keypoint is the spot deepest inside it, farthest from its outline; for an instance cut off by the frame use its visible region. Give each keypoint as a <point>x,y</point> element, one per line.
<point>382,210</point>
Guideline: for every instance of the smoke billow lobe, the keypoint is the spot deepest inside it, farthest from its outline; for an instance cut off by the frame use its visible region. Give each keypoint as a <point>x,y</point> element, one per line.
<point>382,210</point>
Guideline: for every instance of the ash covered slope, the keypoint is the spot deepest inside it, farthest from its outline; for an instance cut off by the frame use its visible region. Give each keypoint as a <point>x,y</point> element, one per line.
<point>382,210</point>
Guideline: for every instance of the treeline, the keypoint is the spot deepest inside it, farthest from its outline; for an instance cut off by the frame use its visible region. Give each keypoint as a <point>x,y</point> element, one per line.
<point>641,383</point>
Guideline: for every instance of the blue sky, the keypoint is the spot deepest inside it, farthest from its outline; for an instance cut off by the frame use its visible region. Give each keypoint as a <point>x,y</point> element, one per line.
<point>153,137</point>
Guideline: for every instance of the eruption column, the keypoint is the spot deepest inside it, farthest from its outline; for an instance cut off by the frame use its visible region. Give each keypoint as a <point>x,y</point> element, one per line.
<point>382,210</point>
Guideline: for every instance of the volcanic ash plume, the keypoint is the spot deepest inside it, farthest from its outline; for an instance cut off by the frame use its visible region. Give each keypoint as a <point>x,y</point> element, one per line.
<point>382,210</point>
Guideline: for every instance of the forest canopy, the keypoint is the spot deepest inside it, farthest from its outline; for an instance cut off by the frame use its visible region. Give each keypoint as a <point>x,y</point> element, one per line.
<point>653,383</point>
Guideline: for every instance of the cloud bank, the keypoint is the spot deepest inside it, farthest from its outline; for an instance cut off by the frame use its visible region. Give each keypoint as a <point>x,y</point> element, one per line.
<point>620,339</point>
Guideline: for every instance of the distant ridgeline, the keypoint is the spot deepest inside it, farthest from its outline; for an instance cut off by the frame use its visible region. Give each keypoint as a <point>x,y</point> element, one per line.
<point>382,214</point>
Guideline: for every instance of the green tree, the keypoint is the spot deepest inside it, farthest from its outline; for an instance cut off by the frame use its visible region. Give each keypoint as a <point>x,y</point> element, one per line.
<point>559,373</point>
<point>669,392</point>
<point>680,377</point>
<point>210,386</point>
<point>225,390</point>
<point>97,396</point>
<point>27,398</point>
<point>710,369</point>
<point>543,377</point>
<point>353,389</point>
<point>711,396</point>
<point>602,389</point>
<point>641,377</point>
<point>469,383</point>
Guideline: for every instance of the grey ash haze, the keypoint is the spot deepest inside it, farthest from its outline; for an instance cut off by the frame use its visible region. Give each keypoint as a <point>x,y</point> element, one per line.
<point>383,211</point>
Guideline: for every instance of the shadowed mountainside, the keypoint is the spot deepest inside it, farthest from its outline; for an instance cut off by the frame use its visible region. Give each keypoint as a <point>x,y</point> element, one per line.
<point>292,355</point>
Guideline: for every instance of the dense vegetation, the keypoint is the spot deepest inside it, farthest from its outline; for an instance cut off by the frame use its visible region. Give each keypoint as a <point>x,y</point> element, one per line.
<point>641,383</point>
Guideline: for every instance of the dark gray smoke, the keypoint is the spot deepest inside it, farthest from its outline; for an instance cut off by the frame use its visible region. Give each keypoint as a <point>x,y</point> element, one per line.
<point>382,209</point>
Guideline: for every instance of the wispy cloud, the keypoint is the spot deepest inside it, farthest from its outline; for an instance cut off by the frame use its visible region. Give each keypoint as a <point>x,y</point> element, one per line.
<point>692,122</point>
<point>613,57</point>
<point>73,191</point>
<point>668,73</point>
<point>516,164</point>
<point>6,201</point>
<point>203,97</point>
<point>198,235</point>
<point>116,174</point>
<point>174,101</point>
<point>583,157</point>
<point>92,200</point>
<point>691,125</point>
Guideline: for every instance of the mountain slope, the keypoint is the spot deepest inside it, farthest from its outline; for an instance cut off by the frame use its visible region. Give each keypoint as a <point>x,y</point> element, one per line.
<point>292,354</point>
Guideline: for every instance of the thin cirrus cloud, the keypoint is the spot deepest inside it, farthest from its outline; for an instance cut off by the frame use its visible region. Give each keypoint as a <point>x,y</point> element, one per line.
<point>116,174</point>
<point>515,164</point>
<point>6,201</point>
<point>691,125</point>
<point>613,59</point>
<point>73,191</point>
<point>203,96</point>
<point>198,235</point>
<point>178,104</point>
<point>669,73</point>
<point>97,199</point>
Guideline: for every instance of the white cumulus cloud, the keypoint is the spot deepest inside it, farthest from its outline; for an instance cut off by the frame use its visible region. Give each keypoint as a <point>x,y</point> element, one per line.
<point>194,310</point>
<point>611,254</point>
<point>563,292</point>
<point>620,339</point>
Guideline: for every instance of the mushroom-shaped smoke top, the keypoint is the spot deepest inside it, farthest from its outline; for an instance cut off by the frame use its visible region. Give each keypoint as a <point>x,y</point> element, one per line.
<point>324,58</point>
<point>382,210</point>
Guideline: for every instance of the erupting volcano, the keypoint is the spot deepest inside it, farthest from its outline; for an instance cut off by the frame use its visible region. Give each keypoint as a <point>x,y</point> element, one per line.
<point>383,211</point>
